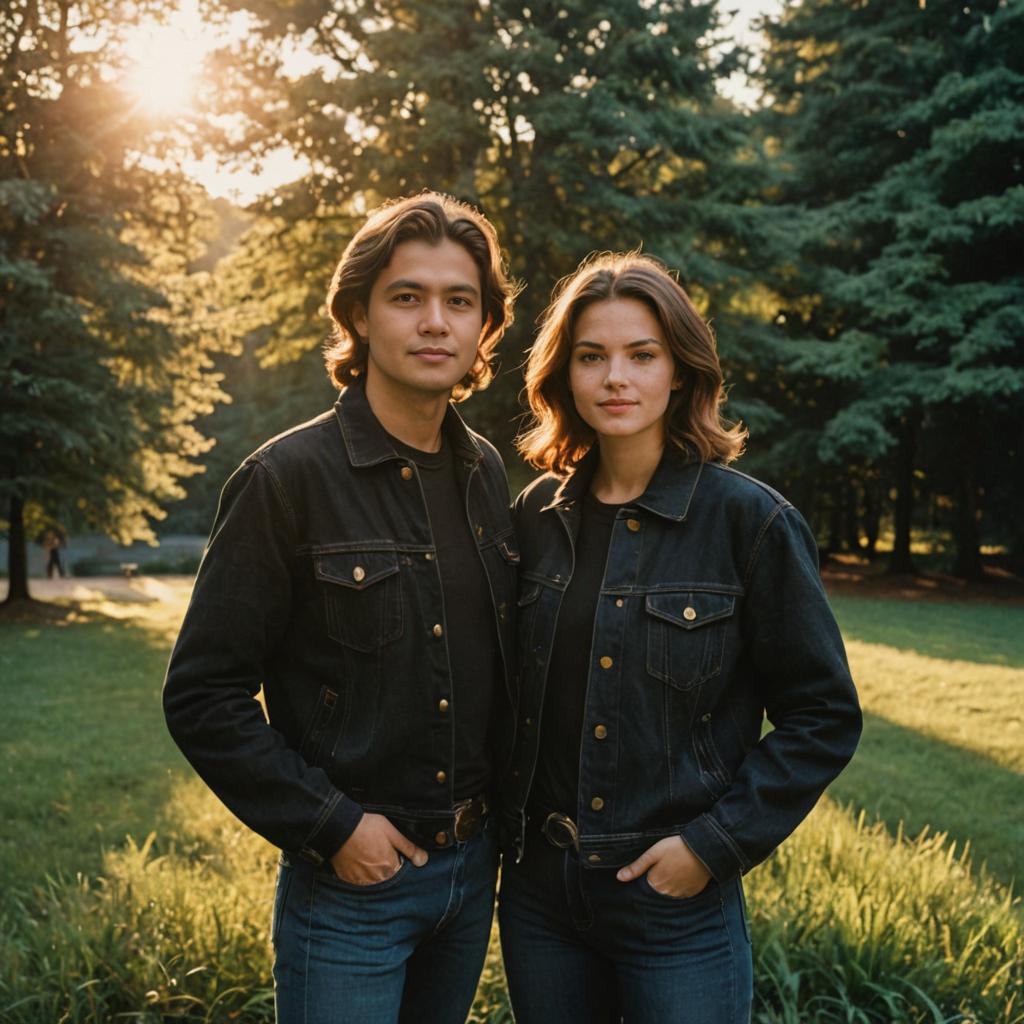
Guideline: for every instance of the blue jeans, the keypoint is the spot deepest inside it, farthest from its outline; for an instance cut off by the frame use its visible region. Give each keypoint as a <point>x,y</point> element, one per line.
<point>580,946</point>
<point>409,948</point>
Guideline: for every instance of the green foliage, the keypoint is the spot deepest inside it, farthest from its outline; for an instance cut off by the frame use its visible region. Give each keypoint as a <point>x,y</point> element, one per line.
<point>104,346</point>
<point>900,142</point>
<point>573,127</point>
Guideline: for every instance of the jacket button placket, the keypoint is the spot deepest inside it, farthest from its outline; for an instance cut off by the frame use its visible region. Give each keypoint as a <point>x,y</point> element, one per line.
<point>599,760</point>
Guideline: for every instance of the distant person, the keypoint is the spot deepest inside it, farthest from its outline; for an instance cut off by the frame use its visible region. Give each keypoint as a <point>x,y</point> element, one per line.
<point>362,569</point>
<point>53,542</point>
<point>667,604</point>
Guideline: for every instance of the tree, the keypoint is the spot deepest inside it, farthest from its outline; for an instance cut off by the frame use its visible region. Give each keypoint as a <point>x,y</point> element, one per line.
<point>574,127</point>
<point>897,139</point>
<point>103,353</point>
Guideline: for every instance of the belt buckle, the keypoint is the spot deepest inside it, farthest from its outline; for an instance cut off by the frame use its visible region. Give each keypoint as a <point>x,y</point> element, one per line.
<point>561,831</point>
<point>467,819</point>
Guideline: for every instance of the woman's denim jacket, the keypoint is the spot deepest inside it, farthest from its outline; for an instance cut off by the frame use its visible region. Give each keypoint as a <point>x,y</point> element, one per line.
<point>320,583</point>
<point>711,615</point>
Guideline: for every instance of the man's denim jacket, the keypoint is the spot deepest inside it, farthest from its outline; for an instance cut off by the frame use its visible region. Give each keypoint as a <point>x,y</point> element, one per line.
<point>320,583</point>
<point>711,615</point>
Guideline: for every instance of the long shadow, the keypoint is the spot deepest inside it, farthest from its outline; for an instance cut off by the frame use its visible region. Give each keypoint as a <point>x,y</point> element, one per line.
<point>900,775</point>
<point>985,633</point>
<point>84,752</point>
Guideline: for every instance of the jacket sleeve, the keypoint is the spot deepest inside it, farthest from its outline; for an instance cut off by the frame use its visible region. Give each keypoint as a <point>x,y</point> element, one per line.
<point>237,617</point>
<point>792,645</point>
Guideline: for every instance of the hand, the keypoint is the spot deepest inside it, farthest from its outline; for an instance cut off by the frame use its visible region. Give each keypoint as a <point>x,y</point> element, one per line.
<point>672,869</point>
<point>370,854</point>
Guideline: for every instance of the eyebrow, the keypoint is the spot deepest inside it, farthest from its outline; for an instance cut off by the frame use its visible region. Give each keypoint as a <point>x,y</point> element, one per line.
<point>583,343</point>
<point>406,284</point>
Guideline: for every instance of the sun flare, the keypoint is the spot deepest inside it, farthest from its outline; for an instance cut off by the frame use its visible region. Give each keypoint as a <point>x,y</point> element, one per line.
<point>165,66</point>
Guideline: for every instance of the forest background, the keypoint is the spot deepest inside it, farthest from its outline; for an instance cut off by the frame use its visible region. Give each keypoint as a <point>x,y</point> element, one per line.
<point>853,235</point>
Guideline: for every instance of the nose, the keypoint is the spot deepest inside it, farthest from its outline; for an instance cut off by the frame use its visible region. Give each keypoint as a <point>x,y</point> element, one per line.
<point>615,373</point>
<point>433,320</point>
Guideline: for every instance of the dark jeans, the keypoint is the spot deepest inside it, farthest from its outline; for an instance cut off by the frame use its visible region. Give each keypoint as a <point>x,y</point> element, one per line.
<point>580,946</point>
<point>410,948</point>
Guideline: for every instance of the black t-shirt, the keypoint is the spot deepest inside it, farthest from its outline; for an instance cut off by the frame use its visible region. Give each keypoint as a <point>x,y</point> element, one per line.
<point>473,653</point>
<point>558,765</point>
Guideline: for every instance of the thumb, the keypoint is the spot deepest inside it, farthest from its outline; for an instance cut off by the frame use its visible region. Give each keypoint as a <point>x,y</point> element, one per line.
<point>408,847</point>
<point>637,868</point>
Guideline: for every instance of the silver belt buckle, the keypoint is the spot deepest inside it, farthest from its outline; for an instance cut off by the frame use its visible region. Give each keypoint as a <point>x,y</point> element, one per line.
<point>561,831</point>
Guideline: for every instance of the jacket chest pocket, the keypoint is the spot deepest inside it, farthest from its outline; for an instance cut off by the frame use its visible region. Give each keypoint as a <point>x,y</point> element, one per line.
<point>362,595</point>
<point>686,633</point>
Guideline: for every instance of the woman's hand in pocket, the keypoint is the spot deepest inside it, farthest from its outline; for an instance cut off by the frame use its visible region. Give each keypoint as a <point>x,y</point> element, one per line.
<point>672,869</point>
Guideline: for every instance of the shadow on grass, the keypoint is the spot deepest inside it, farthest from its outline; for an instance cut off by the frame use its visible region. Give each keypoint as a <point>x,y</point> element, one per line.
<point>901,775</point>
<point>984,633</point>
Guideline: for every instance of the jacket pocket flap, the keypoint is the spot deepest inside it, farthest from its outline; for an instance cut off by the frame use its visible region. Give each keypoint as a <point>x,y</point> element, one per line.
<point>355,569</point>
<point>691,609</point>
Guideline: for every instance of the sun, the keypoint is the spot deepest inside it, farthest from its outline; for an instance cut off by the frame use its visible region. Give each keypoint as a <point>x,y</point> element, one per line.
<point>165,62</point>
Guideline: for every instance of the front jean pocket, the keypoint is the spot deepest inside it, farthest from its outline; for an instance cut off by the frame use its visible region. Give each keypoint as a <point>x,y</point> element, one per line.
<point>711,890</point>
<point>686,635</point>
<point>362,597</point>
<point>330,880</point>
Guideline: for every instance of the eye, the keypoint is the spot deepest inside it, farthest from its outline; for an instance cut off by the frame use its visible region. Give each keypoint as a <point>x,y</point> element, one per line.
<point>644,355</point>
<point>404,298</point>
<point>589,357</point>
<point>462,301</point>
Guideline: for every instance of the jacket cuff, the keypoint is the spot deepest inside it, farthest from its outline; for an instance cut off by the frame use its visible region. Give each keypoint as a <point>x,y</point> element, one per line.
<point>336,824</point>
<point>714,848</point>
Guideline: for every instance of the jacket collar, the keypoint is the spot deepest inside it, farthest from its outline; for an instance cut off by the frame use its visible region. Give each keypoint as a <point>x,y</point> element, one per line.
<point>368,443</point>
<point>668,494</point>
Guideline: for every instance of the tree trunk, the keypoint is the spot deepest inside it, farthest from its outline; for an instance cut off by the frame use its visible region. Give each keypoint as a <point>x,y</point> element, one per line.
<point>17,553</point>
<point>900,560</point>
<point>872,518</point>
<point>966,534</point>
<point>851,526</point>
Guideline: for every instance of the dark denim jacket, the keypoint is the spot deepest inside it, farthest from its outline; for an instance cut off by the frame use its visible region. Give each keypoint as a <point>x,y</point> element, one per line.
<point>320,583</point>
<point>711,614</point>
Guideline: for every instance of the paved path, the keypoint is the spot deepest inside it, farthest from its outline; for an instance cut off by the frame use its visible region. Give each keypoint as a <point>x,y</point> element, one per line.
<point>137,590</point>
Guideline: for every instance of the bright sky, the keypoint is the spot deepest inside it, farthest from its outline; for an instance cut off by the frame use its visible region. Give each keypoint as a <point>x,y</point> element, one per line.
<point>185,39</point>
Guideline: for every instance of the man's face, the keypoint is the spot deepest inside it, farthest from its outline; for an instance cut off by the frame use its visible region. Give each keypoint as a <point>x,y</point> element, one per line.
<point>424,320</point>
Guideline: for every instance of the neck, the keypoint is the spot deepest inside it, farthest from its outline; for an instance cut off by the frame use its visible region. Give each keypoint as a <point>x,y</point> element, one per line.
<point>414,417</point>
<point>626,467</point>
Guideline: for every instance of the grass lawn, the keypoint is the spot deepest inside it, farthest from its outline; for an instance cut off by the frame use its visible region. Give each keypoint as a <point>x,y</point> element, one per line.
<point>170,884</point>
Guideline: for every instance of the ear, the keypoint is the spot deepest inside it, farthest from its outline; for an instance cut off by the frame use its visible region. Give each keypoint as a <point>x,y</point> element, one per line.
<point>360,322</point>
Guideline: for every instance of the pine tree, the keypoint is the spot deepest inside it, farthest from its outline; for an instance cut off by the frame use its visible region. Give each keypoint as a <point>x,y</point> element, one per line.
<point>103,352</point>
<point>898,196</point>
<point>574,126</point>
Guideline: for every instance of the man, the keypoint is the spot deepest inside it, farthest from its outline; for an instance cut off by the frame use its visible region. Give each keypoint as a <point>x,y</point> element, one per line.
<point>362,569</point>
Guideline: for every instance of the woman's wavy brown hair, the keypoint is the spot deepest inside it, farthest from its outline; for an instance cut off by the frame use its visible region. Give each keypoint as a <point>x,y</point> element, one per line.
<point>428,217</point>
<point>558,437</point>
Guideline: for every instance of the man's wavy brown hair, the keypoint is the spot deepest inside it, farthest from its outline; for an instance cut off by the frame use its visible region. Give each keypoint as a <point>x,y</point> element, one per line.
<point>428,217</point>
<point>558,437</point>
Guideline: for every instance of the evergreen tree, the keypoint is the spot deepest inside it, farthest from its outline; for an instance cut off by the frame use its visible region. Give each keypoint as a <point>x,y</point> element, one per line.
<point>574,126</point>
<point>103,347</point>
<point>886,116</point>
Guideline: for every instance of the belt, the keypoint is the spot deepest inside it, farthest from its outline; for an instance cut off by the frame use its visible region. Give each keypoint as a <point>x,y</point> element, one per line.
<point>557,828</point>
<point>462,823</point>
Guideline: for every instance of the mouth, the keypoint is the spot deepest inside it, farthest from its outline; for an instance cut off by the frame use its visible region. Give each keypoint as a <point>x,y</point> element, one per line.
<point>430,354</point>
<point>616,405</point>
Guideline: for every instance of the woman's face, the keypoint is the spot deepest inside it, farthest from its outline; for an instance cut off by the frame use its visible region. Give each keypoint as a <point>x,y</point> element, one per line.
<point>621,371</point>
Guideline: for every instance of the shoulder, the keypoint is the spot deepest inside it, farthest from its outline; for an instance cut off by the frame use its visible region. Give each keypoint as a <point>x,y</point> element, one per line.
<point>537,495</point>
<point>299,445</point>
<point>735,488</point>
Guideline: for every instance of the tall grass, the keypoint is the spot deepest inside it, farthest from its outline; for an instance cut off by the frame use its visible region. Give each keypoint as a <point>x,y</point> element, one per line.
<point>849,924</point>
<point>852,921</point>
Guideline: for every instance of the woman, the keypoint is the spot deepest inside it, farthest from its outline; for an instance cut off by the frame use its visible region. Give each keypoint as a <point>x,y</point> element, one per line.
<point>667,604</point>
